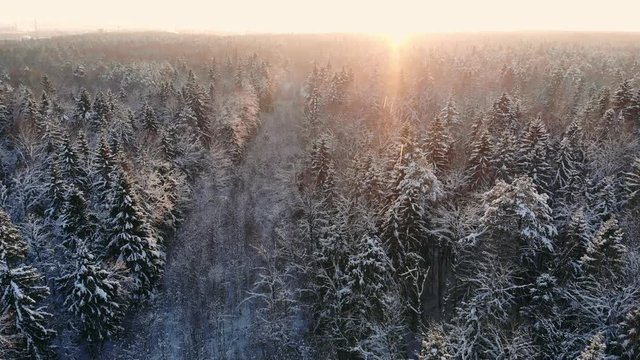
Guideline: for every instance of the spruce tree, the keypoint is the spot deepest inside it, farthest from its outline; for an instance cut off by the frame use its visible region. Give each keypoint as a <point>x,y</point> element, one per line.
<point>604,255</point>
<point>629,337</point>
<point>519,220</point>
<point>93,296</point>
<point>632,183</point>
<point>595,350</point>
<point>149,121</point>
<point>131,240</point>
<point>504,156</point>
<point>82,106</point>
<point>71,169</point>
<point>23,291</point>
<point>480,159</point>
<point>76,219</point>
<point>438,144</point>
<point>12,245</point>
<point>534,151</point>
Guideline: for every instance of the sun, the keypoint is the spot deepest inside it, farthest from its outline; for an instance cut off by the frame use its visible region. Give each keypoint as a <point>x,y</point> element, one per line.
<point>397,39</point>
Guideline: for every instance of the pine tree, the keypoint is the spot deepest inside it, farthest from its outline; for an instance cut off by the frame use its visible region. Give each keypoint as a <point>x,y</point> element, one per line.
<point>595,350</point>
<point>622,96</point>
<point>83,149</point>
<point>504,155</point>
<point>438,144</point>
<point>101,112</point>
<point>405,227</point>
<point>82,106</point>
<point>322,168</point>
<point>434,346</point>
<point>629,337</point>
<point>449,114</point>
<point>70,167</point>
<point>149,120</point>
<point>12,245</point>
<point>605,252</point>
<point>195,98</point>
<point>93,296</point>
<point>480,159</point>
<point>22,294</point>
<point>104,165</point>
<point>632,182</point>
<point>519,219</point>
<point>47,85</point>
<point>369,275</point>
<point>574,242</point>
<point>503,114</point>
<point>131,240</point>
<point>76,220</point>
<point>534,151</point>
<point>603,198</point>
<point>55,191</point>
<point>567,173</point>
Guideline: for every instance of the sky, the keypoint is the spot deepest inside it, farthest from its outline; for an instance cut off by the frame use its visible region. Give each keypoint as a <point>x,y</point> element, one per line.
<point>277,16</point>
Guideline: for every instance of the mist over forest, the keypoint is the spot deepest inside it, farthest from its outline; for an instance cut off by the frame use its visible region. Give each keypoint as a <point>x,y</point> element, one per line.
<point>320,196</point>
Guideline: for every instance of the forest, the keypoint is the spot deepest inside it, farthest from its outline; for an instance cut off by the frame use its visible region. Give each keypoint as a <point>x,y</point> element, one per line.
<point>328,196</point>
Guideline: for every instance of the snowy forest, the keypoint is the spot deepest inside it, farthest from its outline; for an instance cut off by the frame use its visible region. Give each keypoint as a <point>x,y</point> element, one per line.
<point>462,196</point>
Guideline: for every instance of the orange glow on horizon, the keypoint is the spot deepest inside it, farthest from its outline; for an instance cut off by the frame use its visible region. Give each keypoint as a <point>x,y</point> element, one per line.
<point>290,16</point>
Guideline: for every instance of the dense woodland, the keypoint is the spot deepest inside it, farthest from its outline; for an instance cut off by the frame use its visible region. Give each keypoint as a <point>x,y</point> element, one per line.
<point>456,197</point>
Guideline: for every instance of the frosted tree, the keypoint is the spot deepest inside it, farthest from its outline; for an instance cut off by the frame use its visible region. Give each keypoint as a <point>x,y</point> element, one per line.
<point>534,151</point>
<point>434,346</point>
<point>322,167</point>
<point>480,159</point>
<point>104,165</point>
<point>603,198</point>
<point>629,337</point>
<point>23,291</point>
<point>131,240</point>
<point>195,98</point>
<point>82,106</point>
<point>369,277</point>
<point>149,120</point>
<point>70,166</point>
<point>595,350</point>
<point>567,174</point>
<point>76,221</point>
<point>101,112</point>
<point>438,144</point>
<point>12,245</point>
<point>604,255</point>
<point>55,191</point>
<point>93,296</point>
<point>622,96</point>
<point>574,241</point>
<point>632,182</point>
<point>520,220</point>
<point>504,155</point>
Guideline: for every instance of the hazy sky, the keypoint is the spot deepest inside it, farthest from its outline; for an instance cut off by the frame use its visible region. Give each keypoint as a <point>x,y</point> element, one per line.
<point>399,16</point>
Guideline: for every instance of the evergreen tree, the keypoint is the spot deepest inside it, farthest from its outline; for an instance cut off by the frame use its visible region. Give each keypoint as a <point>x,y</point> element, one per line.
<point>567,177</point>
<point>622,96</point>
<point>605,252</point>
<point>438,144</point>
<point>55,191</point>
<point>47,85</point>
<point>82,106</point>
<point>534,151</point>
<point>70,167</point>
<point>595,350</point>
<point>519,220</point>
<point>480,160</point>
<point>434,346</point>
<point>12,245</point>
<point>104,165</point>
<point>131,240</point>
<point>630,335</point>
<point>22,294</point>
<point>632,182</point>
<point>93,296</point>
<point>76,220</point>
<point>149,120</point>
<point>101,112</point>
<point>504,156</point>
<point>322,168</point>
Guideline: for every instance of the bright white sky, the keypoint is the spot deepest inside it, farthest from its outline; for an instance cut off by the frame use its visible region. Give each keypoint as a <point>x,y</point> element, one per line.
<point>390,16</point>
